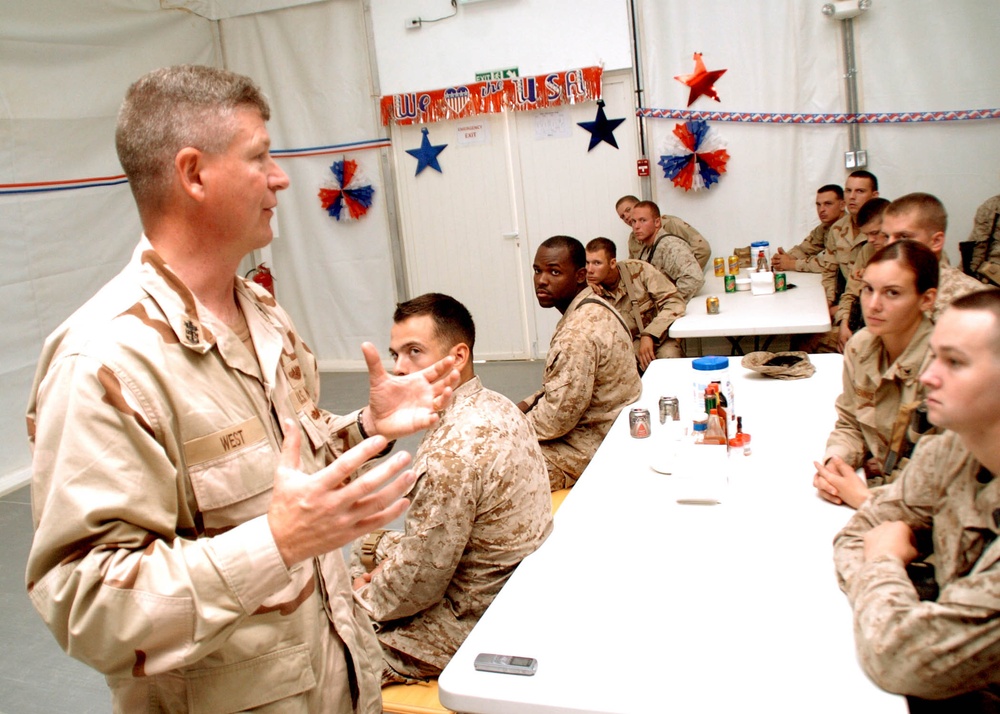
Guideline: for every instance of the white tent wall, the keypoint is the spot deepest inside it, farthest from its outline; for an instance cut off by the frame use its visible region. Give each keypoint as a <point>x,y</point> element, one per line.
<point>334,277</point>
<point>64,67</point>
<point>911,56</point>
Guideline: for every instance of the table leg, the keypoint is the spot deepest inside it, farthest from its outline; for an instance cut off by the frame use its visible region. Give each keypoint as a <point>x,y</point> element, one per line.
<point>737,347</point>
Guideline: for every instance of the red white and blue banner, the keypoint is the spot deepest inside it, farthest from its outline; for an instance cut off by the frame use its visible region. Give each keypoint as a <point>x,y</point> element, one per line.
<point>492,96</point>
<point>74,184</point>
<point>793,118</point>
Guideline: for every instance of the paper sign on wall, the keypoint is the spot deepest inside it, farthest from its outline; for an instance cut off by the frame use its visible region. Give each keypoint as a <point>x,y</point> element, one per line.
<point>552,125</point>
<point>505,73</point>
<point>473,133</point>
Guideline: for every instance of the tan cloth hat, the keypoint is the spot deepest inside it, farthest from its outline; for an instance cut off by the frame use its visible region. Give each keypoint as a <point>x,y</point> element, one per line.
<point>780,365</point>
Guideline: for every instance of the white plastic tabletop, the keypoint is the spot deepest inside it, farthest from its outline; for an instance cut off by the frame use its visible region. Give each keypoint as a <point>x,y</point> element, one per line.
<point>799,310</point>
<point>636,603</point>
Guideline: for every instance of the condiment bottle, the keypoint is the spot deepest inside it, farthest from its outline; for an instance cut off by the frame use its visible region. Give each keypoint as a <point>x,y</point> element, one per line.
<point>715,434</point>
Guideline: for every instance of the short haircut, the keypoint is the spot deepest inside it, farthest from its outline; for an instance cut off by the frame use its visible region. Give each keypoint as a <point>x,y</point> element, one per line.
<point>601,243</point>
<point>871,209</point>
<point>861,173</point>
<point>916,257</point>
<point>577,254</point>
<point>452,321</point>
<point>623,199</point>
<point>832,188</point>
<point>987,300</point>
<point>173,108</point>
<point>648,204</point>
<point>929,209</point>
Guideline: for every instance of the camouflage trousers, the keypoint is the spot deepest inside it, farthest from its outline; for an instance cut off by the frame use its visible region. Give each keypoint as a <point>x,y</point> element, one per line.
<point>400,668</point>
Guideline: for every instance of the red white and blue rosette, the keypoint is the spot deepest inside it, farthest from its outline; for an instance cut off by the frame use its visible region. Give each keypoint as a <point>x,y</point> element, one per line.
<point>347,189</point>
<point>695,156</point>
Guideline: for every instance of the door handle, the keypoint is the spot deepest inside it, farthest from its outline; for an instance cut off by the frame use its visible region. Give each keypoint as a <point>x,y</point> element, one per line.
<point>513,234</point>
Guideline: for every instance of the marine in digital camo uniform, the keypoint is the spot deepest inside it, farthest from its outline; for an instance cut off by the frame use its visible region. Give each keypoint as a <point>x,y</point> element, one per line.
<point>648,303</point>
<point>589,377</point>
<point>875,406</point>
<point>481,504</point>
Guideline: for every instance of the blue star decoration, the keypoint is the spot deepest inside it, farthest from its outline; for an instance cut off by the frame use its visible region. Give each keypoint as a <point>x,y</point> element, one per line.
<point>426,155</point>
<point>602,128</point>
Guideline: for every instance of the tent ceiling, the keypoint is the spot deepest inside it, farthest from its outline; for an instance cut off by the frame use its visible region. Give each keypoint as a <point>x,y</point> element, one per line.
<point>222,9</point>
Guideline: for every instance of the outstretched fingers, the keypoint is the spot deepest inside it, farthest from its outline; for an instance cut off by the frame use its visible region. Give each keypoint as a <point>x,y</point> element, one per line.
<point>372,499</point>
<point>376,370</point>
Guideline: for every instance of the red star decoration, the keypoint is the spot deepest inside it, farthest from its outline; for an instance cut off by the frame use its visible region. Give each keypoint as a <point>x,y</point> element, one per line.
<point>701,80</point>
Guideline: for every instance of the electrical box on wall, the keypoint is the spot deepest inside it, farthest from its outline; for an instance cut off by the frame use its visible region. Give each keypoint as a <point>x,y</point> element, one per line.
<point>855,159</point>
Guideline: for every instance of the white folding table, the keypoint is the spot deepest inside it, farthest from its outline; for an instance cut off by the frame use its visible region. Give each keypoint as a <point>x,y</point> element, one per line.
<point>799,310</point>
<point>636,603</point>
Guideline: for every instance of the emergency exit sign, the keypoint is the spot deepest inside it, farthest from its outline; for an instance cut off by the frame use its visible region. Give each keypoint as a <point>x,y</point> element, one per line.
<point>497,74</point>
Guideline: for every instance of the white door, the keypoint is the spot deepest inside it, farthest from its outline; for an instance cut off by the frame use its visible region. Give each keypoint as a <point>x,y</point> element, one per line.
<point>471,231</point>
<point>569,190</point>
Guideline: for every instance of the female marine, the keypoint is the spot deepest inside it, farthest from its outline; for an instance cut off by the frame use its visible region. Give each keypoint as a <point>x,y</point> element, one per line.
<point>878,411</point>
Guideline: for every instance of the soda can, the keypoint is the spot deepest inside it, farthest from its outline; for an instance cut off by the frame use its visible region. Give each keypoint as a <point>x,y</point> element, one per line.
<point>669,409</point>
<point>734,265</point>
<point>720,267</point>
<point>780,283</point>
<point>712,304</point>
<point>730,283</point>
<point>638,422</point>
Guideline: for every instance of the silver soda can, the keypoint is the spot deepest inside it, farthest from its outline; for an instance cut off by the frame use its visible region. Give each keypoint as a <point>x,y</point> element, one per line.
<point>638,422</point>
<point>669,409</point>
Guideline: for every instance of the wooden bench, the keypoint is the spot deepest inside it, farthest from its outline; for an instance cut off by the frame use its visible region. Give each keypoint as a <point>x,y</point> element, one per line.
<point>419,698</point>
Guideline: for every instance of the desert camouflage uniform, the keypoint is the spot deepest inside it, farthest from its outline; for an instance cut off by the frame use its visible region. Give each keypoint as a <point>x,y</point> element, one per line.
<point>676,227</point>
<point>943,647</point>
<point>156,438</point>
<point>953,284</point>
<point>481,504</point>
<point>847,245</point>
<point>852,291</point>
<point>589,376</point>
<point>645,290</point>
<point>673,258</point>
<point>833,282</point>
<point>874,408</point>
<point>812,254</point>
<point>695,240</point>
<point>986,255</point>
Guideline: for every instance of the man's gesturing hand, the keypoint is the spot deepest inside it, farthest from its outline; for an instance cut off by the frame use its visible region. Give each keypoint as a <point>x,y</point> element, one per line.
<point>401,405</point>
<point>311,514</point>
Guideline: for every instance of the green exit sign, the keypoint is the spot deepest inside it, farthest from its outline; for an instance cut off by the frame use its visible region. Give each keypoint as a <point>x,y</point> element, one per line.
<point>497,74</point>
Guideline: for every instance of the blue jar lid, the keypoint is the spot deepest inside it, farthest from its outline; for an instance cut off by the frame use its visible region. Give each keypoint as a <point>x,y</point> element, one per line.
<point>709,363</point>
<point>758,243</point>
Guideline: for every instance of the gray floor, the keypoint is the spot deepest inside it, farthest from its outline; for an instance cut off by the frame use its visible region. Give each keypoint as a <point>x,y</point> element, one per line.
<point>36,676</point>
